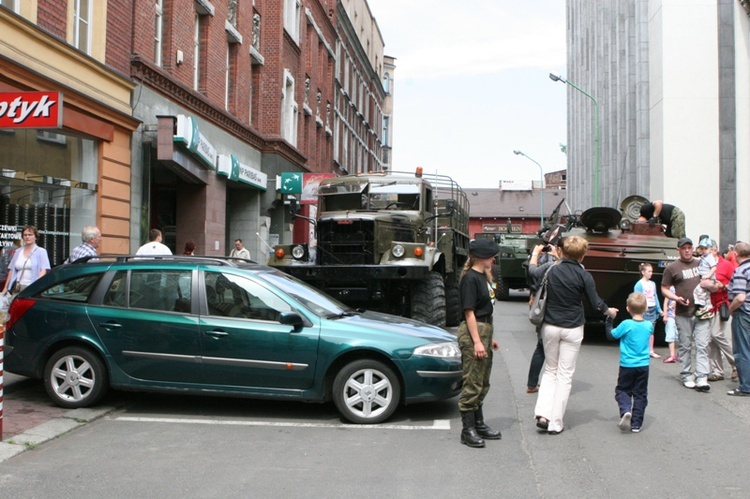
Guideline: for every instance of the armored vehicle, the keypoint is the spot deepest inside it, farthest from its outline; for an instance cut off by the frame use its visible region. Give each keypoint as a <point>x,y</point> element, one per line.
<point>618,244</point>
<point>394,242</point>
<point>509,270</point>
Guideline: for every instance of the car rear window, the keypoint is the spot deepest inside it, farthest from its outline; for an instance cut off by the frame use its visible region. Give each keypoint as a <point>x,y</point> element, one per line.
<point>77,289</point>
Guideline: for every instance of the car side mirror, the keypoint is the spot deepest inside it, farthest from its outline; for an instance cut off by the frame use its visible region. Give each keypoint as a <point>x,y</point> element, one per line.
<point>293,319</point>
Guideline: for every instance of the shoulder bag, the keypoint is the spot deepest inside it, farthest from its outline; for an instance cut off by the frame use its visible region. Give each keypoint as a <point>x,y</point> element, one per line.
<point>539,303</point>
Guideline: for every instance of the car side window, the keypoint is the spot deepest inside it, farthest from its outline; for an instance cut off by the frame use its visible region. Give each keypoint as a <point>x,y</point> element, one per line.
<point>76,290</point>
<point>165,290</point>
<point>229,295</point>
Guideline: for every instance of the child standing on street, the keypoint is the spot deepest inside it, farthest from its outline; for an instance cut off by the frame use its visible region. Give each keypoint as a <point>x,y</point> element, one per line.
<point>631,392</point>
<point>648,287</point>
<point>670,328</point>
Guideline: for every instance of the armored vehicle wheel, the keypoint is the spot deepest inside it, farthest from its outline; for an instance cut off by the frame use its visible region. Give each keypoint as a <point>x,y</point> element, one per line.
<point>502,291</point>
<point>428,300</point>
<point>452,306</point>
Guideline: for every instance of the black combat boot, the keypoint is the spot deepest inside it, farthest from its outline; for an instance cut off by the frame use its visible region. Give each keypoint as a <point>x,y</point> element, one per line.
<point>469,434</point>
<point>482,429</point>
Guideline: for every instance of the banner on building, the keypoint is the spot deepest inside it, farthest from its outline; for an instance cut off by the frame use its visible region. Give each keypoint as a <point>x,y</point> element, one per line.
<point>187,133</point>
<point>230,167</point>
<point>31,109</point>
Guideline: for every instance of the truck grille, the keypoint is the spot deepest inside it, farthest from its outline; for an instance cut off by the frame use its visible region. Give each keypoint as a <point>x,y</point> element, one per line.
<point>346,243</point>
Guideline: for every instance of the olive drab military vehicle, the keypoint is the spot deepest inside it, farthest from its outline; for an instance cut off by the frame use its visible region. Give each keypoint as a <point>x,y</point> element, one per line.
<point>510,267</point>
<point>394,242</point>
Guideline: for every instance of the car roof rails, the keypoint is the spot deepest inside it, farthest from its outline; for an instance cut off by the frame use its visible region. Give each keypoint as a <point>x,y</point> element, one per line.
<point>217,260</point>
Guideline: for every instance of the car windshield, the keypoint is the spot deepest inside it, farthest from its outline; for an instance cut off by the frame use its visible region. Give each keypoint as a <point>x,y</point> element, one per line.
<point>318,303</point>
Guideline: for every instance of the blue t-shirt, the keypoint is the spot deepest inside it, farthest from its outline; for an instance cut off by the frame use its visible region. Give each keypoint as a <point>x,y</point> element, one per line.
<point>634,348</point>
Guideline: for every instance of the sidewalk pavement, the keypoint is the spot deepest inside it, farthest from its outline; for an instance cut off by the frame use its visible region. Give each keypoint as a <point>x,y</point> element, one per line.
<point>30,418</point>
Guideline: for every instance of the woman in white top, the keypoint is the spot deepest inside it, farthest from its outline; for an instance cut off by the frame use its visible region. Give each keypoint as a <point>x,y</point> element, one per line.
<point>29,263</point>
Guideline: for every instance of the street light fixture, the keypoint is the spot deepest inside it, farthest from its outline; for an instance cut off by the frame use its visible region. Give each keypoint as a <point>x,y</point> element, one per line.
<point>596,133</point>
<point>541,177</point>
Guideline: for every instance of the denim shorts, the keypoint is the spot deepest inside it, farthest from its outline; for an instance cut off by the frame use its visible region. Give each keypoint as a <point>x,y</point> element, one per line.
<point>671,330</point>
<point>651,315</point>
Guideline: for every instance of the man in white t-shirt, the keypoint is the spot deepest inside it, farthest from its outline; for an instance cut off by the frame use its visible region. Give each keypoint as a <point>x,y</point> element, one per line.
<point>154,246</point>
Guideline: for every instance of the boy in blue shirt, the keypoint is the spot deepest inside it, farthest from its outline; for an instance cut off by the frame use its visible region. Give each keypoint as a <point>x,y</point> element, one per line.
<point>631,392</point>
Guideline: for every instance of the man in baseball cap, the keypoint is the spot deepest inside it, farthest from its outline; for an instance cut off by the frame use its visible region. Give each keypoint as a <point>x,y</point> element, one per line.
<point>683,275</point>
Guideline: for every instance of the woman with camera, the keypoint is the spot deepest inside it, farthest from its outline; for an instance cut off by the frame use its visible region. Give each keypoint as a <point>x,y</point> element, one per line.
<point>562,332</point>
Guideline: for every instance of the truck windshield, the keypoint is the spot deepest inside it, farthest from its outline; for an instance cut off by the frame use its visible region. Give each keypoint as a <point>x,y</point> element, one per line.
<point>374,196</point>
<point>393,196</point>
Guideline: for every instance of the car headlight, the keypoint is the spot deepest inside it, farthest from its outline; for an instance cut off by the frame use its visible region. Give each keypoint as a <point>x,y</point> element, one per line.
<point>298,252</point>
<point>447,350</point>
<point>398,250</point>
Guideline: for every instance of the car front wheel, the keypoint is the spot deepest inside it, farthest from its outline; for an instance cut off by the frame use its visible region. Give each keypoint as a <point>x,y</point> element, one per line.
<point>366,392</point>
<point>75,377</point>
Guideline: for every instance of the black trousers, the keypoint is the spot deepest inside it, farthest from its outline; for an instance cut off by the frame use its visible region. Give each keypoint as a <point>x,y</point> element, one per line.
<point>631,393</point>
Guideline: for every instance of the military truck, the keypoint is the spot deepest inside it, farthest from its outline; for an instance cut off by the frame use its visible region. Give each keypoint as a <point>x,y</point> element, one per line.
<point>394,242</point>
<point>509,269</point>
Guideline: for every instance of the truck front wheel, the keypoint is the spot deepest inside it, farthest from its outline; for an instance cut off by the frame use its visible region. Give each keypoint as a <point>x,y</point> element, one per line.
<point>428,300</point>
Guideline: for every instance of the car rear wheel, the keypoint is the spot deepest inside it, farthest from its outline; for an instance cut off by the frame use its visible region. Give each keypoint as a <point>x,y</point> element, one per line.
<point>366,392</point>
<point>75,377</point>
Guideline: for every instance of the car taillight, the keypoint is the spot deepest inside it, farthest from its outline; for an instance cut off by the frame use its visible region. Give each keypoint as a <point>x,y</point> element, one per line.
<point>17,308</point>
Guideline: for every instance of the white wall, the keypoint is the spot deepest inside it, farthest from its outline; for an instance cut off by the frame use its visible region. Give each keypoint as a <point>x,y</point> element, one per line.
<point>685,107</point>
<point>742,88</point>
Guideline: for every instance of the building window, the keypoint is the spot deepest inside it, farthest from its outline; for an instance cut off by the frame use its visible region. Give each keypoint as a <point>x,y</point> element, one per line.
<point>386,124</point>
<point>292,10</point>
<point>387,83</point>
<point>196,51</point>
<point>288,110</point>
<point>82,25</point>
<point>228,78</point>
<point>158,27</point>
<point>10,5</point>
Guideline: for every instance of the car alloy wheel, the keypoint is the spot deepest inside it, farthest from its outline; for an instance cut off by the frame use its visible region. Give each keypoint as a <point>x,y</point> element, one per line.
<point>75,377</point>
<point>366,391</point>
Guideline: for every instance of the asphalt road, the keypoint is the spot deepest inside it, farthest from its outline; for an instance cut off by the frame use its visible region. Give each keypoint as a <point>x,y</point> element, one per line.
<point>692,444</point>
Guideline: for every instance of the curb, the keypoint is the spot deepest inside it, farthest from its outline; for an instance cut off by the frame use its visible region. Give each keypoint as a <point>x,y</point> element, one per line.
<point>49,430</point>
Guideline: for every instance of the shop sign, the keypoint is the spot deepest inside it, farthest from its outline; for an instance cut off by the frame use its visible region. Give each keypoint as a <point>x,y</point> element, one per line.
<point>8,234</point>
<point>188,134</point>
<point>230,167</point>
<point>291,183</point>
<point>31,109</point>
<point>504,229</point>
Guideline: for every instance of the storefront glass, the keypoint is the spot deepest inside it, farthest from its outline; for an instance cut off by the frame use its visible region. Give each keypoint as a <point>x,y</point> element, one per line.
<point>49,180</point>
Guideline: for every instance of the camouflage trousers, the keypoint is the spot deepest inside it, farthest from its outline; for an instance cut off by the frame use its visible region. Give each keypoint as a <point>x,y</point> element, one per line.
<point>476,372</point>
<point>676,224</point>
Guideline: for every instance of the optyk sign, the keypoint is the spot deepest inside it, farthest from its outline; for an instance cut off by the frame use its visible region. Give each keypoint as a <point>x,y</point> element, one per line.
<point>30,109</point>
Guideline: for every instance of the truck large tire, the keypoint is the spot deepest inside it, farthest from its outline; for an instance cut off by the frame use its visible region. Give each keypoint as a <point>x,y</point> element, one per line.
<point>453,315</point>
<point>502,291</point>
<point>428,300</point>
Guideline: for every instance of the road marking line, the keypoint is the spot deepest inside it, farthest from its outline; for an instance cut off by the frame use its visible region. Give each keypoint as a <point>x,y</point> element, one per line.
<point>438,424</point>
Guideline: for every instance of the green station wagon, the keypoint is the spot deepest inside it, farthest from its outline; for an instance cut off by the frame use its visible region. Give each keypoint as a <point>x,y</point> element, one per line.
<point>215,326</point>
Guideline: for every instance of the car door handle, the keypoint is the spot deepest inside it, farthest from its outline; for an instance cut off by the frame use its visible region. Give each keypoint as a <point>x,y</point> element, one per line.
<point>110,325</point>
<point>216,334</point>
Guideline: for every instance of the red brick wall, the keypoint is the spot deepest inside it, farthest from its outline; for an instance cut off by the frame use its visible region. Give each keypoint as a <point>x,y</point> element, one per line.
<point>119,34</point>
<point>52,16</point>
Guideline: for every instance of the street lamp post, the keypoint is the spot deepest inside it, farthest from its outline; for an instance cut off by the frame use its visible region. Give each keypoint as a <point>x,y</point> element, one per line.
<point>596,133</point>
<point>541,177</point>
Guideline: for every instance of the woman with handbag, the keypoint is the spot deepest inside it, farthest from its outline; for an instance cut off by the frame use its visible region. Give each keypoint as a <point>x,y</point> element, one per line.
<point>562,332</point>
<point>29,263</point>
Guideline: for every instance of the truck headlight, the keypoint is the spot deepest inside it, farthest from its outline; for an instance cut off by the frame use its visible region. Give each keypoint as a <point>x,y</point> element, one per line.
<point>447,350</point>
<point>398,250</point>
<point>298,252</point>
